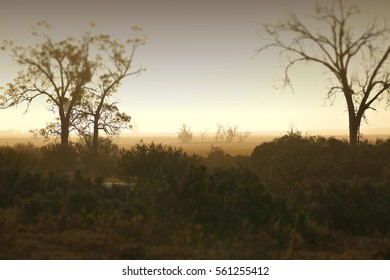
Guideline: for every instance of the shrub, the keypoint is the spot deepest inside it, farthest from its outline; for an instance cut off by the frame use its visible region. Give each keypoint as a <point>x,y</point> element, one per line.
<point>357,206</point>
<point>154,162</point>
<point>59,159</point>
<point>223,199</point>
<point>104,162</point>
<point>292,159</point>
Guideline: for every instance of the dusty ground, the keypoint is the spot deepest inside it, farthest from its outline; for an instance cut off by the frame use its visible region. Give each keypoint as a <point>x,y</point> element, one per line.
<point>196,146</point>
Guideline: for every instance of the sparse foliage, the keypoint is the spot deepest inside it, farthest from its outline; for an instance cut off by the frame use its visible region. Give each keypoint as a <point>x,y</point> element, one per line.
<point>242,136</point>
<point>219,137</point>
<point>185,134</point>
<point>203,134</point>
<point>57,71</point>
<point>115,63</point>
<point>228,133</point>
<point>78,77</point>
<point>357,59</point>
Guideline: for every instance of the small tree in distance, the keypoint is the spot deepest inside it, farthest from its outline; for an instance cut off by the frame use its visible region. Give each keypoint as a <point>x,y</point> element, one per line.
<point>228,133</point>
<point>185,134</point>
<point>242,136</point>
<point>220,137</point>
<point>203,134</point>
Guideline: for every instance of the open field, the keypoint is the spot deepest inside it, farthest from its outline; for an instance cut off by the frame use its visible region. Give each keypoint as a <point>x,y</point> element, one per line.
<point>196,146</point>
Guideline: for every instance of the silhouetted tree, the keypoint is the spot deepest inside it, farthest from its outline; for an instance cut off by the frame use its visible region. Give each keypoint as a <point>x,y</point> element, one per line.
<point>358,59</point>
<point>203,134</point>
<point>242,136</point>
<point>57,71</point>
<point>114,64</point>
<point>230,132</point>
<point>77,77</point>
<point>100,115</point>
<point>219,137</point>
<point>227,133</point>
<point>185,134</point>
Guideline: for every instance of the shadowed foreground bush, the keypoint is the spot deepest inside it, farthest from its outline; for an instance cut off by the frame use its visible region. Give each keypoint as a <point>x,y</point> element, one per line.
<point>294,198</point>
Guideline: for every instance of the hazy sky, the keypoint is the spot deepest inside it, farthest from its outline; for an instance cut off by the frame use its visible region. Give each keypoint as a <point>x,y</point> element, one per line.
<point>198,56</point>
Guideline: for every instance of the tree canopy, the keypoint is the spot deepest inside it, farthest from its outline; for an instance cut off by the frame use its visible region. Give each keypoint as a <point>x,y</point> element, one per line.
<point>78,77</point>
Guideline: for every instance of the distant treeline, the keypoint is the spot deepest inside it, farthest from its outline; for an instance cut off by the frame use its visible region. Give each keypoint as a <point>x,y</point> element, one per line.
<point>293,198</point>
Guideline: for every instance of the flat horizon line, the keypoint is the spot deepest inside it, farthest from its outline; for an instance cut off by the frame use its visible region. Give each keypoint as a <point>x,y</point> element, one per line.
<point>311,132</point>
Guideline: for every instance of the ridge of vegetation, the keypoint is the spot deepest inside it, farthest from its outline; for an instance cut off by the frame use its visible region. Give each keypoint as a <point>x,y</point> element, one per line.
<point>293,198</point>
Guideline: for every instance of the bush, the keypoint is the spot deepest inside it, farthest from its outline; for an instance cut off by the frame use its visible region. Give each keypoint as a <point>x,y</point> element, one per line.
<point>154,162</point>
<point>104,163</point>
<point>336,204</point>
<point>223,199</point>
<point>59,159</point>
<point>292,159</point>
<point>358,206</point>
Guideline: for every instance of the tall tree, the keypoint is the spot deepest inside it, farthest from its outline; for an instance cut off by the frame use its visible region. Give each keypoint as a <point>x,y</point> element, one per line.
<point>77,77</point>
<point>57,71</point>
<point>358,59</point>
<point>115,63</point>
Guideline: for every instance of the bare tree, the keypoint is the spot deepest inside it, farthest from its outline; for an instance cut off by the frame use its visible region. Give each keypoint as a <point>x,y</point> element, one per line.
<point>219,137</point>
<point>227,133</point>
<point>230,132</point>
<point>203,134</point>
<point>243,135</point>
<point>358,60</point>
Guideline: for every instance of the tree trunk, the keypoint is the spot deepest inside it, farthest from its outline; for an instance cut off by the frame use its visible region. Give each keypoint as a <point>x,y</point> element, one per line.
<point>354,129</point>
<point>64,135</point>
<point>353,135</point>
<point>354,119</point>
<point>95,137</point>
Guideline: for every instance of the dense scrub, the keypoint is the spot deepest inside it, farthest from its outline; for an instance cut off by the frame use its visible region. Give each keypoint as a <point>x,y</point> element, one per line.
<point>295,197</point>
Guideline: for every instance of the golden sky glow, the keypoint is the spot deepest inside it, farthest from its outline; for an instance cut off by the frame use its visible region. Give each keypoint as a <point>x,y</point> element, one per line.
<point>200,69</point>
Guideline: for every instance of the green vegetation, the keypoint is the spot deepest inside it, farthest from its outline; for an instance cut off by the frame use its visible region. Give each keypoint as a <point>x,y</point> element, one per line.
<point>293,198</point>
